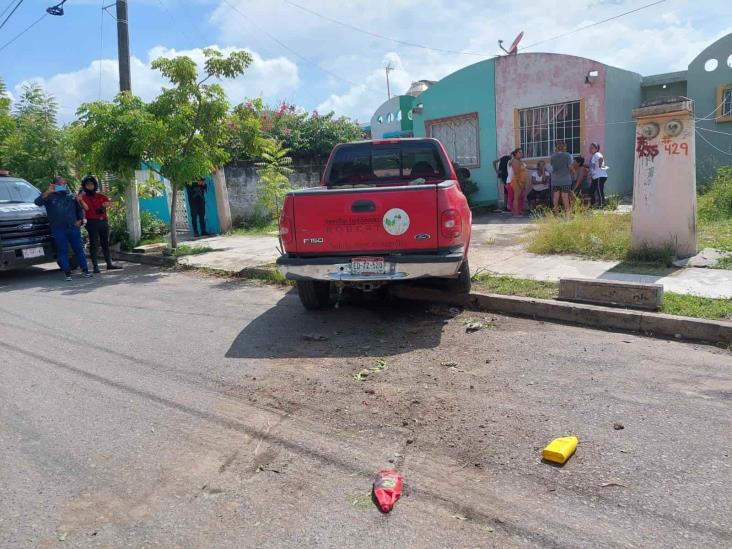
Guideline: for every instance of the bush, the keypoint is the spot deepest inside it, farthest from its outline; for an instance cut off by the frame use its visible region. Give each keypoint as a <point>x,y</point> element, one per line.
<point>153,228</point>
<point>593,234</point>
<point>469,188</point>
<point>715,204</point>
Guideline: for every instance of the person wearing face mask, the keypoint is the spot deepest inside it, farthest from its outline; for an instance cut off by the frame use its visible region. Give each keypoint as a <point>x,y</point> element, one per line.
<point>97,225</point>
<point>65,217</point>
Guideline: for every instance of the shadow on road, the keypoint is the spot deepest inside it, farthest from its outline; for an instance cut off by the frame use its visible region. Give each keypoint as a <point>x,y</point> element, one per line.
<point>361,327</point>
<point>48,279</point>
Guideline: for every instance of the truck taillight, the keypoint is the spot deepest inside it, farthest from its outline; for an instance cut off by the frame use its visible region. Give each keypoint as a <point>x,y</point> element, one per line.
<point>286,228</point>
<point>451,224</point>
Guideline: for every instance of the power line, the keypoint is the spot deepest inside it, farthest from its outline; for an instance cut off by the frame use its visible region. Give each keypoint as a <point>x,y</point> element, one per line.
<point>7,7</point>
<point>295,52</point>
<point>21,33</point>
<point>713,131</point>
<point>712,145</point>
<point>381,36</point>
<point>585,27</point>
<point>11,13</point>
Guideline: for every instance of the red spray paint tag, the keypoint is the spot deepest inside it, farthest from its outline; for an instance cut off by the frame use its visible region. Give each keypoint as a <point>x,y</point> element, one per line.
<point>387,488</point>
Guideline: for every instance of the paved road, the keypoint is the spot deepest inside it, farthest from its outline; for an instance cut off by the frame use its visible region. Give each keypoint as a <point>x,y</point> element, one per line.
<point>145,408</point>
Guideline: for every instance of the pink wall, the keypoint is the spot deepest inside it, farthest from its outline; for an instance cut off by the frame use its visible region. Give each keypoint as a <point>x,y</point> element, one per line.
<point>535,79</point>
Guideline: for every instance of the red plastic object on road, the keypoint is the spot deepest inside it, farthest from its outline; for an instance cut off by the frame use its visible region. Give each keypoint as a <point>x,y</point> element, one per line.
<point>387,489</point>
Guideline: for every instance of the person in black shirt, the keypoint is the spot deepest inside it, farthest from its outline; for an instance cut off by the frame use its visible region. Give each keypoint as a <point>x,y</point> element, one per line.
<point>501,167</point>
<point>197,202</point>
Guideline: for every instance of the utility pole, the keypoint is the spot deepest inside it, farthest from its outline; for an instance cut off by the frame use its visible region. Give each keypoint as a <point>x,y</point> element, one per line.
<point>125,85</point>
<point>388,69</point>
<point>123,46</point>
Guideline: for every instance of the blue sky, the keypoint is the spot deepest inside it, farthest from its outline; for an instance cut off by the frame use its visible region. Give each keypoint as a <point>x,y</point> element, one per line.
<point>321,65</point>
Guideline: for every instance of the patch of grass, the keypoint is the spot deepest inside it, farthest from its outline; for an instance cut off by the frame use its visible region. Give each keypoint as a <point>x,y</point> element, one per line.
<point>269,274</point>
<point>673,303</point>
<point>258,229</point>
<point>695,306</point>
<point>584,232</point>
<point>715,234</point>
<point>612,202</point>
<point>509,285</point>
<point>186,249</point>
<point>154,240</point>
<point>725,263</point>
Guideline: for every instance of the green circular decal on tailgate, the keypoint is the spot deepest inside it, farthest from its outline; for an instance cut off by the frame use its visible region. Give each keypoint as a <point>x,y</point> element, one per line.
<point>396,221</point>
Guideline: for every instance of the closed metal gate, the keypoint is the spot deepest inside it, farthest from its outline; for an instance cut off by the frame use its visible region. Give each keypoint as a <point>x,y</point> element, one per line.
<point>181,214</point>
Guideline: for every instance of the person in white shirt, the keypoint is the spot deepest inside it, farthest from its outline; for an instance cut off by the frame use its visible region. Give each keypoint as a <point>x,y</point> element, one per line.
<point>598,174</point>
<point>540,191</point>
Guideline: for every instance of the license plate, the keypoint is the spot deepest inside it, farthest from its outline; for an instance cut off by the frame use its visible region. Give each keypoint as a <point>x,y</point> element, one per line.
<point>367,265</point>
<point>29,253</point>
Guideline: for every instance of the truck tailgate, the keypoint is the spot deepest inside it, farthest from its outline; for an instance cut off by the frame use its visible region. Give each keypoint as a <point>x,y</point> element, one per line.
<point>371,220</point>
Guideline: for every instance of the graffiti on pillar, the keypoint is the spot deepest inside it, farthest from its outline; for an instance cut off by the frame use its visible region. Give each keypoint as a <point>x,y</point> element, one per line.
<point>673,148</point>
<point>644,148</point>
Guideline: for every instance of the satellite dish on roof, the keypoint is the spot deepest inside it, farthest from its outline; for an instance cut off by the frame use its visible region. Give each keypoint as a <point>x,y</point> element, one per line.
<point>514,47</point>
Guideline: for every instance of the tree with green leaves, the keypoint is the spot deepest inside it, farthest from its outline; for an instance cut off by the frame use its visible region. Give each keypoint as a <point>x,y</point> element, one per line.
<point>273,181</point>
<point>181,134</point>
<point>36,148</point>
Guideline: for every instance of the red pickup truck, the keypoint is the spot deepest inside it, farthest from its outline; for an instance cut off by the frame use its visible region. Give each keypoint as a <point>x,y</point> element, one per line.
<point>386,210</point>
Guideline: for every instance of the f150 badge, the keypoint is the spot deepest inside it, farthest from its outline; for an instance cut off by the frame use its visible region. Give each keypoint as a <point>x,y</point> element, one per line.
<point>396,221</point>
<point>318,240</point>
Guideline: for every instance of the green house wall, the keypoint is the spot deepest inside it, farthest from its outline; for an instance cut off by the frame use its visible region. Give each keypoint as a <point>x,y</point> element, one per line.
<point>622,95</point>
<point>712,149</point>
<point>469,90</point>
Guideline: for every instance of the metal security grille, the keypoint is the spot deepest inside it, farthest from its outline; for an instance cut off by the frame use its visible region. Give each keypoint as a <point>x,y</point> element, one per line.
<point>540,128</point>
<point>459,136</point>
<point>727,103</point>
<point>181,213</point>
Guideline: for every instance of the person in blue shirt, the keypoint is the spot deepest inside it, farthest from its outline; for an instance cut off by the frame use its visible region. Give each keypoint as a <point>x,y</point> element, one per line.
<point>65,216</point>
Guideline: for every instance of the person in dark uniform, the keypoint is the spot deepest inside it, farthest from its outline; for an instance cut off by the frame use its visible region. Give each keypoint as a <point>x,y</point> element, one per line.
<point>197,202</point>
<point>65,216</point>
<point>97,225</point>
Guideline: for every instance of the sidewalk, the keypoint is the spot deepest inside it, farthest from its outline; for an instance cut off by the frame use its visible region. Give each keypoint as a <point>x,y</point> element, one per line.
<point>496,248</point>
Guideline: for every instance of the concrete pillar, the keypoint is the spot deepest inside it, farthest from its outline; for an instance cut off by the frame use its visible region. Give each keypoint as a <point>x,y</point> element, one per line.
<point>132,205</point>
<point>222,200</point>
<point>664,183</point>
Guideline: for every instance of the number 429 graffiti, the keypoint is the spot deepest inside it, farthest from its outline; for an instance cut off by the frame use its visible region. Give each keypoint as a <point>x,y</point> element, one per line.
<point>677,148</point>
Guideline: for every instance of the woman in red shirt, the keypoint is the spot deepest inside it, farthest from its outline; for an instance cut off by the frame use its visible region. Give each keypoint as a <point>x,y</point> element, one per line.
<point>97,226</point>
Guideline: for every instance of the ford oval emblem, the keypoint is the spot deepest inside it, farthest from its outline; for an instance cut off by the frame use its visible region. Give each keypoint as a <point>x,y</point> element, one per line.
<point>422,236</point>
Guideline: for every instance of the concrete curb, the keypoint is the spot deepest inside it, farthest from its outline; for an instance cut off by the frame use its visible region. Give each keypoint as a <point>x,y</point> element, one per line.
<point>145,259</point>
<point>594,316</point>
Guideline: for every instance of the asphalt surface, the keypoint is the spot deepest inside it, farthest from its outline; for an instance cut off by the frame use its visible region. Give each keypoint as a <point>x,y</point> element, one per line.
<point>146,408</point>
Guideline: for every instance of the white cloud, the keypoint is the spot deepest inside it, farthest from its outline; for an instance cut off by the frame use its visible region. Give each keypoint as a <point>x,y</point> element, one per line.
<point>659,39</point>
<point>270,78</point>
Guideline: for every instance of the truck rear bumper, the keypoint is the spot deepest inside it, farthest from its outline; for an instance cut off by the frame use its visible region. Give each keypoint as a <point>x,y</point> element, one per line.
<point>396,267</point>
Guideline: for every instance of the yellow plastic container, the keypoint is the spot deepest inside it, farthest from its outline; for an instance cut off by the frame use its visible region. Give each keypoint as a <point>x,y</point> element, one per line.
<point>559,450</point>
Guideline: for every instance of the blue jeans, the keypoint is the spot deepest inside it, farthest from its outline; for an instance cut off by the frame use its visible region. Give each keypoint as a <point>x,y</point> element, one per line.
<point>63,238</point>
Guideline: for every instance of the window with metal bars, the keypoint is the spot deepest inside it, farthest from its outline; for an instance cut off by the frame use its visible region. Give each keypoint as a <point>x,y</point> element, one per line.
<point>459,136</point>
<point>727,103</point>
<point>540,128</point>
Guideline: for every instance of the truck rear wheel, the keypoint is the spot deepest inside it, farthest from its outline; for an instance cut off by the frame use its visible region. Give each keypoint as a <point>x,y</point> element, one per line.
<point>461,284</point>
<point>314,294</point>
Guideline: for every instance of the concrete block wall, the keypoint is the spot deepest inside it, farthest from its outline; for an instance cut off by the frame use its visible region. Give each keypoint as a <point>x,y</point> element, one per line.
<point>242,182</point>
